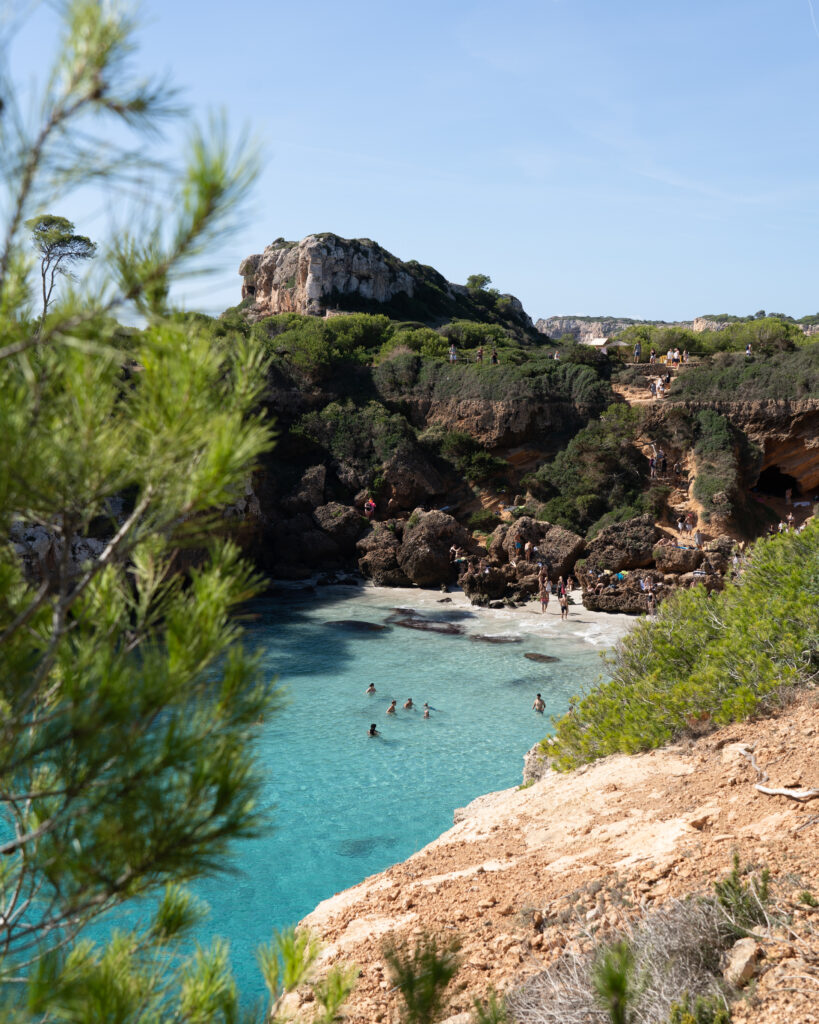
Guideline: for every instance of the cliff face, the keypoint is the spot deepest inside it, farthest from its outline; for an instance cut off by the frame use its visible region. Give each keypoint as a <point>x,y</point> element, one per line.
<point>324,274</point>
<point>584,329</point>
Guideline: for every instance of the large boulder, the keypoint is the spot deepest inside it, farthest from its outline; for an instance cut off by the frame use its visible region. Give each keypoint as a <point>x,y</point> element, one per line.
<point>483,585</point>
<point>340,522</point>
<point>309,493</point>
<point>557,548</point>
<point>424,552</point>
<point>410,479</point>
<point>627,545</point>
<point>494,544</point>
<point>378,555</point>
<point>670,558</point>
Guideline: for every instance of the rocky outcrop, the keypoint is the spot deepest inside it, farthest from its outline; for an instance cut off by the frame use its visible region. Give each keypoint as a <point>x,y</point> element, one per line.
<point>582,328</point>
<point>408,480</point>
<point>424,552</point>
<point>670,558</point>
<point>557,548</point>
<point>484,585</point>
<point>621,546</point>
<point>325,274</point>
<point>378,555</point>
<point>343,524</point>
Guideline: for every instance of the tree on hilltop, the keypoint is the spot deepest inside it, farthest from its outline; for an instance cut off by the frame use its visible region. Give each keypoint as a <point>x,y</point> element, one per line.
<point>478,282</point>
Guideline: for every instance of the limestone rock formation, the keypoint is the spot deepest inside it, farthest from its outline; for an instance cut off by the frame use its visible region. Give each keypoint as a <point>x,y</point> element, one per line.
<point>670,558</point>
<point>340,522</point>
<point>325,273</point>
<point>424,552</point>
<point>627,545</point>
<point>378,555</point>
<point>583,328</point>
<point>557,548</point>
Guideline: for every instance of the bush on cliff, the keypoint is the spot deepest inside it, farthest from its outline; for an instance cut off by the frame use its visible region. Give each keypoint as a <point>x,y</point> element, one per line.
<point>365,436</point>
<point>734,377</point>
<point>464,453</point>
<point>599,472</point>
<point>706,657</point>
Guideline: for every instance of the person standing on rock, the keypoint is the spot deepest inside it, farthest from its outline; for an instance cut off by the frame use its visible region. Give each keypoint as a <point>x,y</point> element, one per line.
<point>539,705</point>
<point>527,551</point>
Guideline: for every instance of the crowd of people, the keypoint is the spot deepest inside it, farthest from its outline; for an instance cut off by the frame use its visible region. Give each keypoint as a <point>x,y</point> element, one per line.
<point>408,705</point>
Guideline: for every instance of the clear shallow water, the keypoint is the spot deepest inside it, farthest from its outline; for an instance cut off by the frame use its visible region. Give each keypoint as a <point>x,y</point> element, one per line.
<point>348,805</point>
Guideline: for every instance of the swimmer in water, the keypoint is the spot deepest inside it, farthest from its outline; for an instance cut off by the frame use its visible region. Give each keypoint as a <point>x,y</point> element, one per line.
<point>370,688</point>
<point>539,705</point>
<point>373,731</point>
<point>391,708</point>
<point>426,710</point>
<point>408,705</point>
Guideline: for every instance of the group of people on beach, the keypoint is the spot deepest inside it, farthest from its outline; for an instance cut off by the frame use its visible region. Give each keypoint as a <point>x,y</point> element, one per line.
<point>408,705</point>
<point>562,588</point>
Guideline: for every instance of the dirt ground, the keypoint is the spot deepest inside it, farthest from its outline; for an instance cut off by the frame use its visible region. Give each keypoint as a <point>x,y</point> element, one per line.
<point>526,873</point>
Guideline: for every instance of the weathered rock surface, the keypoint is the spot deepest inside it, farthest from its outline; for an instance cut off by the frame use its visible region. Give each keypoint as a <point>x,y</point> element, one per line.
<point>483,585</point>
<point>410,479</point>
<point>424,552</point>
<point>670,558</point>
<point>342,523</point>
<point>557,547</point>
<point>585,328</point>
<point>627,545</point>
<point>378,556</point>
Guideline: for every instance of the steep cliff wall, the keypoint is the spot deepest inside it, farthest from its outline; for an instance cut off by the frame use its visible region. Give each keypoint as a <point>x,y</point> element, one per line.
<point>325,273</point>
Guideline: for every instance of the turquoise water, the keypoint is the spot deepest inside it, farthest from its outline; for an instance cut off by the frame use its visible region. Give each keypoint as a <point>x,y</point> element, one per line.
<point>347,805</point>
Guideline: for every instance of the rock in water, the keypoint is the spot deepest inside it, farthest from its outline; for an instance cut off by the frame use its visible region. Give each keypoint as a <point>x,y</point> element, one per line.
<point>450,628</point>
<point>500,638</point>
<point>545,659</point>
<point>357,625</point>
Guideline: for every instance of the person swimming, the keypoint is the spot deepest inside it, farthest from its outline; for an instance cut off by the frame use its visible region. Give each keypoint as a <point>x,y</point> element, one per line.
<point>408,705</point>
<point>391,708</point>
<point>373,731</point>
<point>539,705</point>
<point>426,710</point>
<point>370,688</point>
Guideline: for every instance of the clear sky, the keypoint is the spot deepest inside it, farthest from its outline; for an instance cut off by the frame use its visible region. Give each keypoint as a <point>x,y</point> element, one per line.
<point>643,158</point>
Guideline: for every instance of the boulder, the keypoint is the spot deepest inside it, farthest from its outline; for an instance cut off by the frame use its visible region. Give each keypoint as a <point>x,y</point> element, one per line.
<point>536,764</point>
<point>557,547</point>
<point>495,546</point>
<point>340,522</point>
<point>627,545</point>
<point>409,479</point>
<point>670,558</point>
<point>378,556</point>
<point>309,493</point>
<point>741,962</point>
<point>483,585</point>
<point>424,552</point>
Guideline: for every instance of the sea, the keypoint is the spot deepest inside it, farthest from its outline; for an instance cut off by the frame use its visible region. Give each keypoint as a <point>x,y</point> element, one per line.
<point>345,805</point>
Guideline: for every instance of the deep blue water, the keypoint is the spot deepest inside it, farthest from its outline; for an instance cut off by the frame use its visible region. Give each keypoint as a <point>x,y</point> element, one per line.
<point>348,805</point>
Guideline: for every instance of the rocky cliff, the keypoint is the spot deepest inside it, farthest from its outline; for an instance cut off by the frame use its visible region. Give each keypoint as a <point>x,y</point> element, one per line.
<point>324,273</point>
<point>583,328</point>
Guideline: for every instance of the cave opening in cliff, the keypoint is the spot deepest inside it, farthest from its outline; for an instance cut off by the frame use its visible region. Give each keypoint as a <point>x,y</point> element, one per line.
<point>773,482</point>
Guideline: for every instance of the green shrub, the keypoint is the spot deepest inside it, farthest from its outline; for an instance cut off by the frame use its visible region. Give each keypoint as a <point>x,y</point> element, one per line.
<point>485,520</point>
<point>703,1010</point>
<point>743,902</point>
<point>365,436</point>
<point>720,656</point>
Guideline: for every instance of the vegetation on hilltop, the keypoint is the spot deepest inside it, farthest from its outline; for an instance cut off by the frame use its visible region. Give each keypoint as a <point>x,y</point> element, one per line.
<point>706,657</point>
<point>729,376</point>
<point>767,336</point>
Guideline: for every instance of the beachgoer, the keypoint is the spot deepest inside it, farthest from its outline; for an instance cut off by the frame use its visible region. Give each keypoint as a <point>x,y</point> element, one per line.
<point>391,708</point>
<point>426,710</point>
<point>652,357</point>
<point>748,349</point>
<point>369,508</point>
<point>652,605</point>
<point>637,352</point>
<point>557,354</point>
<point>539,705</point>
<point>373,731</point>
<point>494,357</point>
<point>479,355</point>
<point>370,688</point>
<point>453,353</point>
<point>544,599</point>
<point>564,605</point>
<point>527,551</point>
<point>408,705</point>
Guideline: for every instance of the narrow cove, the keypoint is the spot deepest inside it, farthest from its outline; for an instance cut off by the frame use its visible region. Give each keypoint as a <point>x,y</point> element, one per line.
<point>346,805</point>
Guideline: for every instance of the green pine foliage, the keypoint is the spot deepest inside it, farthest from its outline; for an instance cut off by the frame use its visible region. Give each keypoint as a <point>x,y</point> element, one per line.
<point>421,973</point>
<point>718,657</point>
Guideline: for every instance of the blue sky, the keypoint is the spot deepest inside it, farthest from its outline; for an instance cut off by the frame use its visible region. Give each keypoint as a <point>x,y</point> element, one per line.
<point>644,158</point>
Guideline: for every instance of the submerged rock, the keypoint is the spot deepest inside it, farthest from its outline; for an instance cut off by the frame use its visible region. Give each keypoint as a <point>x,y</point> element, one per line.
<point>499,638</point>
<point>450,628</point>
<point>544,659</point>
<point>357,625</point>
